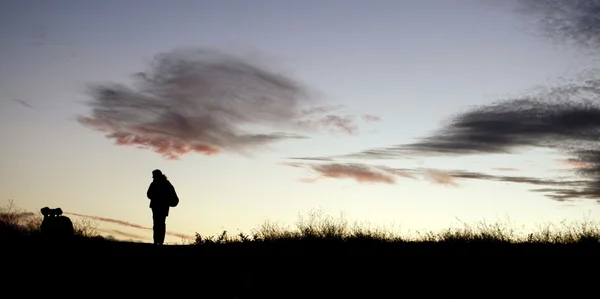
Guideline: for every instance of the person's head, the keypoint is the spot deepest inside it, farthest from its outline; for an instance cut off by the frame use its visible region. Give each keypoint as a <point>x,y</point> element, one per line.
<point>157,174</point>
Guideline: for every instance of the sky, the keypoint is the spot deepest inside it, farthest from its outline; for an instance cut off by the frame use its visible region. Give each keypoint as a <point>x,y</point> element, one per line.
<point>414,114</point>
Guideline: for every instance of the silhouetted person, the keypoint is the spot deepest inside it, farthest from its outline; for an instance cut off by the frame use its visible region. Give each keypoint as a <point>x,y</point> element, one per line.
<point>162,196</point>
<point>55,226</point>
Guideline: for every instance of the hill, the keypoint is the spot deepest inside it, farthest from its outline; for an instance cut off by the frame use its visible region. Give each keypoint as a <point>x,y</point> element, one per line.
<point>323,258</point>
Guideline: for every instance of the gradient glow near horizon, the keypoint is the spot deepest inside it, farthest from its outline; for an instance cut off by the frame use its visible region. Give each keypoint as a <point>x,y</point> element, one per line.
<point>409,65</point>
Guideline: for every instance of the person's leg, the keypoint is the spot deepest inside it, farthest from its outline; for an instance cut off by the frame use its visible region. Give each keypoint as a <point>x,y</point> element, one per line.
<point>163,230</point>
<point>159,226</point>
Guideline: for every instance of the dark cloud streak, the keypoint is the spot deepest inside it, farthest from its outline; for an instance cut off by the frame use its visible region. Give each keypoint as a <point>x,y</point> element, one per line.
<point>565,119</point>
<point>573,21</point>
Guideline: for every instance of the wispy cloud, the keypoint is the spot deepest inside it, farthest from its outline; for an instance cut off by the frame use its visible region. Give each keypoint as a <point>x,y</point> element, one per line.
<point>440,177</point>
<point>127,224</point>
<point>361,173</point>
<point>574,164</point>
<point>505,169</point>
<point>312,158</point>
<point>461,174</point>
<point>23,103</point>
<point>338,123</point>
<point>365,173</point>
<point>370,118</point>
<point>207,101</point>
<point>128,235</point>
<point>109,220</point>
<point>123,234</point>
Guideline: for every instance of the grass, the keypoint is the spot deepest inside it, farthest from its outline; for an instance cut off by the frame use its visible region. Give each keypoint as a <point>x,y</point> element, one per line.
<point>15,222</point>
<point>326,228</point>
<point>320,257</point>
<point>317,227</point>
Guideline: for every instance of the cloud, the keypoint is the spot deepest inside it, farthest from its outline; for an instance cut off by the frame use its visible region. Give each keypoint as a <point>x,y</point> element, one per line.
<point>344,124</point>
<point>110,220</point>
<point>207,101</point>
<point>127,224</point>
<point>381,153</point>
<point>364,173</point>
<point>320,110</point>
<point>440,177</point>
<point>361,173</point>
<point>123,234</point>
<point>23,103</point>
<point>505,169</point>
<point>312,158</point>
<point>573,21</point>
<point>565,119</point>
<point>128,235</point>
<point>559,190</point>
<point>575,164</point>
<point>308,180</point>
<point>370,118</point>
<point>461,174</point>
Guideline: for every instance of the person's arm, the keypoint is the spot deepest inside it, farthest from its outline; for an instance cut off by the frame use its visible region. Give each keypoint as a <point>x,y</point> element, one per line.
<point>150,191</point>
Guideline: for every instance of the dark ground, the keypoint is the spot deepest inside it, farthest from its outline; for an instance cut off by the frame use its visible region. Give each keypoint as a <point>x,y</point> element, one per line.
<point>305,269</point>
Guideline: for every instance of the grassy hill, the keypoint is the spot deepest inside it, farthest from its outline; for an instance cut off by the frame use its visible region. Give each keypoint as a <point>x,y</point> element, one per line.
<point>321,257</point>
<point>318,234</point>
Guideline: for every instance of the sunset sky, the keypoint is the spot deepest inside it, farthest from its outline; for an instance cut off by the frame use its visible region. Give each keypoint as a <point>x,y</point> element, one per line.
<point>266,110</point>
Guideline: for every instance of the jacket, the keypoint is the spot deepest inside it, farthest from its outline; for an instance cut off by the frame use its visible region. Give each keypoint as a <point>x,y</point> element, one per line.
<point>159,192</point>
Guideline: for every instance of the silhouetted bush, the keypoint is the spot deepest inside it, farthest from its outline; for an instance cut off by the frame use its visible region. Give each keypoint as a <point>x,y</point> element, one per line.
<point>15,222</point>
<point>319,228</point>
